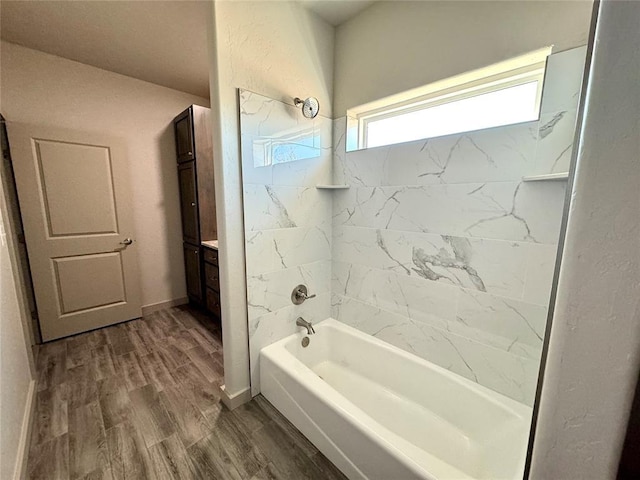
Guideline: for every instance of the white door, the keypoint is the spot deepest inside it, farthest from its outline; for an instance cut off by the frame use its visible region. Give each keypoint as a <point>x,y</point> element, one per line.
<point>74,197</point>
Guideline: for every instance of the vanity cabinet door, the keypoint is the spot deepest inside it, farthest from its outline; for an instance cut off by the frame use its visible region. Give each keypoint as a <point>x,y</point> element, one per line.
<point>211,256</point>
<point>183,126</point>
<point>212,279</point>
<point>193,272</point>
<point>189,203</point>
<point>213,302</point>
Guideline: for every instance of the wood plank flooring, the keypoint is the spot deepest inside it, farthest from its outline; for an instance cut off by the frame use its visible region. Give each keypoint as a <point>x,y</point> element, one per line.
<point>140,400</point>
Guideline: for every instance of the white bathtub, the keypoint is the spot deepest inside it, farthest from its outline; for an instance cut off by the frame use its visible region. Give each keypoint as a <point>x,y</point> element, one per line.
<point>378,412</point>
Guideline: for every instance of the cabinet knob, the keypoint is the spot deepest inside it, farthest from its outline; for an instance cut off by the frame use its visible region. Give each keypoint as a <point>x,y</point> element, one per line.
<point>193,204</point>
<point>196,252</point>
<point>190,153</point>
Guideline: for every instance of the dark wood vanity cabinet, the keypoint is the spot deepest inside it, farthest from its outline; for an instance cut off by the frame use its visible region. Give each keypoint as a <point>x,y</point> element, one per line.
<point>193,271</point>
<point>212,281</point>
<point>194,154</point>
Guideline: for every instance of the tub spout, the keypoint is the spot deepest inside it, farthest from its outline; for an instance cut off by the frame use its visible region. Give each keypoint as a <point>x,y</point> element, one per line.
<point>301,322</point>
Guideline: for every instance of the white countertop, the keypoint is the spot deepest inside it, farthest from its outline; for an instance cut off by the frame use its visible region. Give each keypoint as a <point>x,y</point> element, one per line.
<point>210,244</point>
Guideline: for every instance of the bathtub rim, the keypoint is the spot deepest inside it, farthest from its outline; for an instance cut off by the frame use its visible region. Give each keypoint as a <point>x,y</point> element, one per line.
<point>294,367</point>
<point>517,408</point>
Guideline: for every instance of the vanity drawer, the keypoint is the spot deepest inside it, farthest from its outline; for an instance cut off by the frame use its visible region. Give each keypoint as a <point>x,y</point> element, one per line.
<point>211,256</point>
<point>211,276</point>
<point>213,302</point>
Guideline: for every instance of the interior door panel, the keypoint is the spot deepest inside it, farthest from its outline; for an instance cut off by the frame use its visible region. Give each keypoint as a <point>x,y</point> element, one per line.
<point>74,194</point>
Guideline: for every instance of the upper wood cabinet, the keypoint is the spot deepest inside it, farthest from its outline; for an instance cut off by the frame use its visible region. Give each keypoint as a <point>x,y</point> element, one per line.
<point>194,153</point>
<point>183,126</point>
<point>201,117</point>
<point>189,202</point>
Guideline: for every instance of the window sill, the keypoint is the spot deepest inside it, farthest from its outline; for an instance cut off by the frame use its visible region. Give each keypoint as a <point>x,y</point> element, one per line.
<point>332,187</point>
<point>546,177</point>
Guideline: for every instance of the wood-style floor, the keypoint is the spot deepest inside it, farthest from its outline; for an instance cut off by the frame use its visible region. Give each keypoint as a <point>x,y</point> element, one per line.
<point>140,400</point>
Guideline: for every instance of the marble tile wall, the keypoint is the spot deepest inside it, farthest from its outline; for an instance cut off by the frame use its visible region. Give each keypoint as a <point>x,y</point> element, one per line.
<point>441,249</point>
<point>438,247</point>
<point>287,220</point>
<point>560,98</point>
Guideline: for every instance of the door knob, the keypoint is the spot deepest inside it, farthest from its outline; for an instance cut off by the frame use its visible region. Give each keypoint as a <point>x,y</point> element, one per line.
<point>126,241</point>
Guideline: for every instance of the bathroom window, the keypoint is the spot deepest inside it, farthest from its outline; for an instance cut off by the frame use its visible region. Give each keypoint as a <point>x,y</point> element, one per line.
<point>501,94</point>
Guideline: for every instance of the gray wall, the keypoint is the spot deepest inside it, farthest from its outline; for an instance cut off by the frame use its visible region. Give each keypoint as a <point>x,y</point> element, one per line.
<point>395,46</point>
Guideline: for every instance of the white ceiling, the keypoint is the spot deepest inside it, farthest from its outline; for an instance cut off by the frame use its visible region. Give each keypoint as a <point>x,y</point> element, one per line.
<point>157,41</point>
<point>336,12</point>
<point>163,42</point>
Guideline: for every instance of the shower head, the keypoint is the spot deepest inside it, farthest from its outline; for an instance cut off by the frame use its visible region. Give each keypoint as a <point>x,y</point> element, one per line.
<point>310,106</point>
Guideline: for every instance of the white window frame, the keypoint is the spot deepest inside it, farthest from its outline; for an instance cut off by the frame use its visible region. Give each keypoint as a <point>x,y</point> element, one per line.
<point>516,71</point>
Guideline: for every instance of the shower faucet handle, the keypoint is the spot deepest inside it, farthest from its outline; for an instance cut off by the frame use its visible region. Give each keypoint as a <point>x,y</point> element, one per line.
<point>300,294</point>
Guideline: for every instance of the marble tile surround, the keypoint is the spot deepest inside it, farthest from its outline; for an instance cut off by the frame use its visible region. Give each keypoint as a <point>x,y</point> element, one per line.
<point>559,111</point>
<point>287,220</point>
<point>438,247</point>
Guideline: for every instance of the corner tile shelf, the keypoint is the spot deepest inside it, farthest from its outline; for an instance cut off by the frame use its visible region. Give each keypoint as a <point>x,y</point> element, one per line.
<point>332,187</point>
<point>546,177</point>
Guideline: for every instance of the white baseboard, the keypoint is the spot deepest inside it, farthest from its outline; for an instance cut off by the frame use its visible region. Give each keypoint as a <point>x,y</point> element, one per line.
<point>20,471</point>
<point>154,307</point>
<point>234,401</point>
